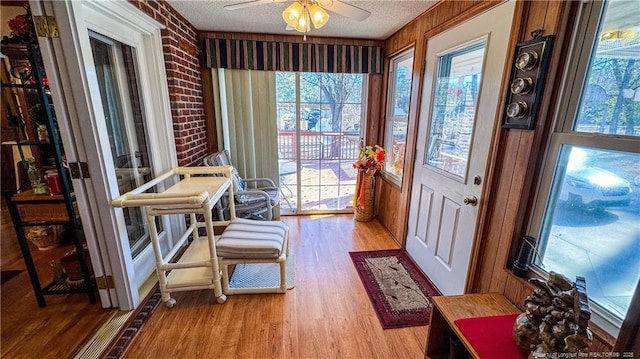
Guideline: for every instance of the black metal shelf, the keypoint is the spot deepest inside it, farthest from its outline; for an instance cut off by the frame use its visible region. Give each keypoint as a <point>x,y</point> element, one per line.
<point>60,209</point>
<point>61,287</point>
<point>32,143</point>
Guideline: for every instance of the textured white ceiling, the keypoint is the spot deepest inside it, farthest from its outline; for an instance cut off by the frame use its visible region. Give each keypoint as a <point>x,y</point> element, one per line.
<point>386,18</point>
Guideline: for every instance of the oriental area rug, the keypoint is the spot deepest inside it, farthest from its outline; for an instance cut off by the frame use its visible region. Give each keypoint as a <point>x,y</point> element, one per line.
<point>400,293</point>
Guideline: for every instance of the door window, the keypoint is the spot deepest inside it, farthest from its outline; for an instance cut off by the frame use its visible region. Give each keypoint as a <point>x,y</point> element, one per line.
<point>459,75</point>
<point>116,75</point>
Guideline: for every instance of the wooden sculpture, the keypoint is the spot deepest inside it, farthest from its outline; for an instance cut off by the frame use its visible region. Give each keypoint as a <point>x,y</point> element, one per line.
<point>556,318</point>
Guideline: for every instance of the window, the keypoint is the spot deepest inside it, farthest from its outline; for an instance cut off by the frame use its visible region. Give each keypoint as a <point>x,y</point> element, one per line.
<point>399,96</point>
<point>320,119</point>
<point>453,116</point>
<point>587,211</point>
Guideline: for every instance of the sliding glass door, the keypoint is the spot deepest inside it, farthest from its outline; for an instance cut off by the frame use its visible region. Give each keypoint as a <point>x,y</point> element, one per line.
<point>122,128</point>
<point>320,119</point>
<point>127,136</point>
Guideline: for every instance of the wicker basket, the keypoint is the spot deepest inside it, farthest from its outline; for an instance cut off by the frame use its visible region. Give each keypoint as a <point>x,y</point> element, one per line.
<point>366,186</point>
<point>45,237</point>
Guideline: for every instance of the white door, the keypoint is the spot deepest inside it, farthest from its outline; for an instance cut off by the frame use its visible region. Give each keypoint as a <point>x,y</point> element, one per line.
<point>463,73</point>
<point>121,122</point>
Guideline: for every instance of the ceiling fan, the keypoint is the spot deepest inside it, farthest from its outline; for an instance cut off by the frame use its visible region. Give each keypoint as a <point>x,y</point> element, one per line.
<point>302,13</point>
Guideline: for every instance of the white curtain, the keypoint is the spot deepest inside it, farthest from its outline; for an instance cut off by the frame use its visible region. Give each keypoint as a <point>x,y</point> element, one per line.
<point>245,105</point>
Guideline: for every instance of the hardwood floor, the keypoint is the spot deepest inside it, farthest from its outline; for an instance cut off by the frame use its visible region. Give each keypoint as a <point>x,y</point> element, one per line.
<point>326,315</point>
<point>28,331</point>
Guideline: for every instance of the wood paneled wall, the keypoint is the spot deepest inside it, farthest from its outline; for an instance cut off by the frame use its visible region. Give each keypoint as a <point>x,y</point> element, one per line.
<point>515,164</point>
<point>516,155</point>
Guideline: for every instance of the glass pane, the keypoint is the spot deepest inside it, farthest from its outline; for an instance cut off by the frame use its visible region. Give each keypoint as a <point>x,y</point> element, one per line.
<point>590,227</point>
<point>310,87</point>
<point>285,87</point>
<point>351,117</point>
<point>329,198</point>
<point>327,144</point>
<point>286,116</point>
<point>346,196</point>
<point>354,94</point>
<point>122,106</point>
<point>315,117</point>
<point>395,157</point>
<point>330,173</point>
<point>454,109</point>
<point>402,87</point>
<point>610,101</point>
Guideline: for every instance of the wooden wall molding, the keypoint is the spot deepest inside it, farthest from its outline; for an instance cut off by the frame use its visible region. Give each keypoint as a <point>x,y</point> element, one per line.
<point>209,111</point>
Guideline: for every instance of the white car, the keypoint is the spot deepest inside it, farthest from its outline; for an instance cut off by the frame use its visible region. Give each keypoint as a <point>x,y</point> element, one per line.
<point>594,187</point>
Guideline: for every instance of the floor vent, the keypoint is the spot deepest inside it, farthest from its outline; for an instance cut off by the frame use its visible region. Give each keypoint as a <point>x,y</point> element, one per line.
<point>104,336</point>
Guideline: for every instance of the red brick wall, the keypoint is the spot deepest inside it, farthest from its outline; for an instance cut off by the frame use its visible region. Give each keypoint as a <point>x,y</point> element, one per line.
<point>181,46</point>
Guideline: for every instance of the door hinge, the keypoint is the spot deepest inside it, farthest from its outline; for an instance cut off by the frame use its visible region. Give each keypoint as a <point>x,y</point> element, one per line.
<point>105,282</point>
<point>79,170</point>
<point>46,26</point>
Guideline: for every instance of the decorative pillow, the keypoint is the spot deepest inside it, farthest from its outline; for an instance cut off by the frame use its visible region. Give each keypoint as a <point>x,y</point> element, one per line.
<point>238,182</point>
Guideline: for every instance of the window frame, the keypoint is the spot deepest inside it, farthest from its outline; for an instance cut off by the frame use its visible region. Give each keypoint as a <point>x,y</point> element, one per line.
<point>298,104</point>
<point>390,118</point>
<point>583,45</point>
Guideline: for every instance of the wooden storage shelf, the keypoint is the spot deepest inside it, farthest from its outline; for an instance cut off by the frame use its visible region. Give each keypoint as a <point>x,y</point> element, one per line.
<point>30,143</point>
<point>447,309</point>
<point>42,208</point>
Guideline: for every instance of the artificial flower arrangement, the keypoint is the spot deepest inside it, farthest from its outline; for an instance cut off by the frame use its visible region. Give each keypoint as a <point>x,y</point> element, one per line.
<point>22,29</point>
<point>371,159</point>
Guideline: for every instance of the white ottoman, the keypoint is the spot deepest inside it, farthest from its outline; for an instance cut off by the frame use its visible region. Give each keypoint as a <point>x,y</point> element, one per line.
<point>249,241</point>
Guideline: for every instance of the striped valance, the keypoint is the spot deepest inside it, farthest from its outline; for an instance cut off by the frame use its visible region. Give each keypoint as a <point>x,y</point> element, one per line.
<point>290,56</point>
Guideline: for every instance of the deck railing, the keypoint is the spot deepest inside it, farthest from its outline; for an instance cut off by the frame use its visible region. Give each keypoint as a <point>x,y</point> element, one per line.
<point>318,145</point>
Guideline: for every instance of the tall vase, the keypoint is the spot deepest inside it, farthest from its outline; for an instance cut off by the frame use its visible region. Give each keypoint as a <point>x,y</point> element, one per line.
<point>364,195</point>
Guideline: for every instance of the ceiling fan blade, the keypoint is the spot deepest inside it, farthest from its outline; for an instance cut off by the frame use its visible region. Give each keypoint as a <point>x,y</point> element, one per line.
<point>245,4</point>
<point>348,10</point>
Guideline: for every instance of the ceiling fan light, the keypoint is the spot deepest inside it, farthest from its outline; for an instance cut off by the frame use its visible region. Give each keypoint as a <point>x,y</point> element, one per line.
<point>293,13</point>
<point>304,23</point>
<point>318,16</point>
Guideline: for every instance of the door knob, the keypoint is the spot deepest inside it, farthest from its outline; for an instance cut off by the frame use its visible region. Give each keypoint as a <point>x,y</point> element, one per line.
<point>471,201</point>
